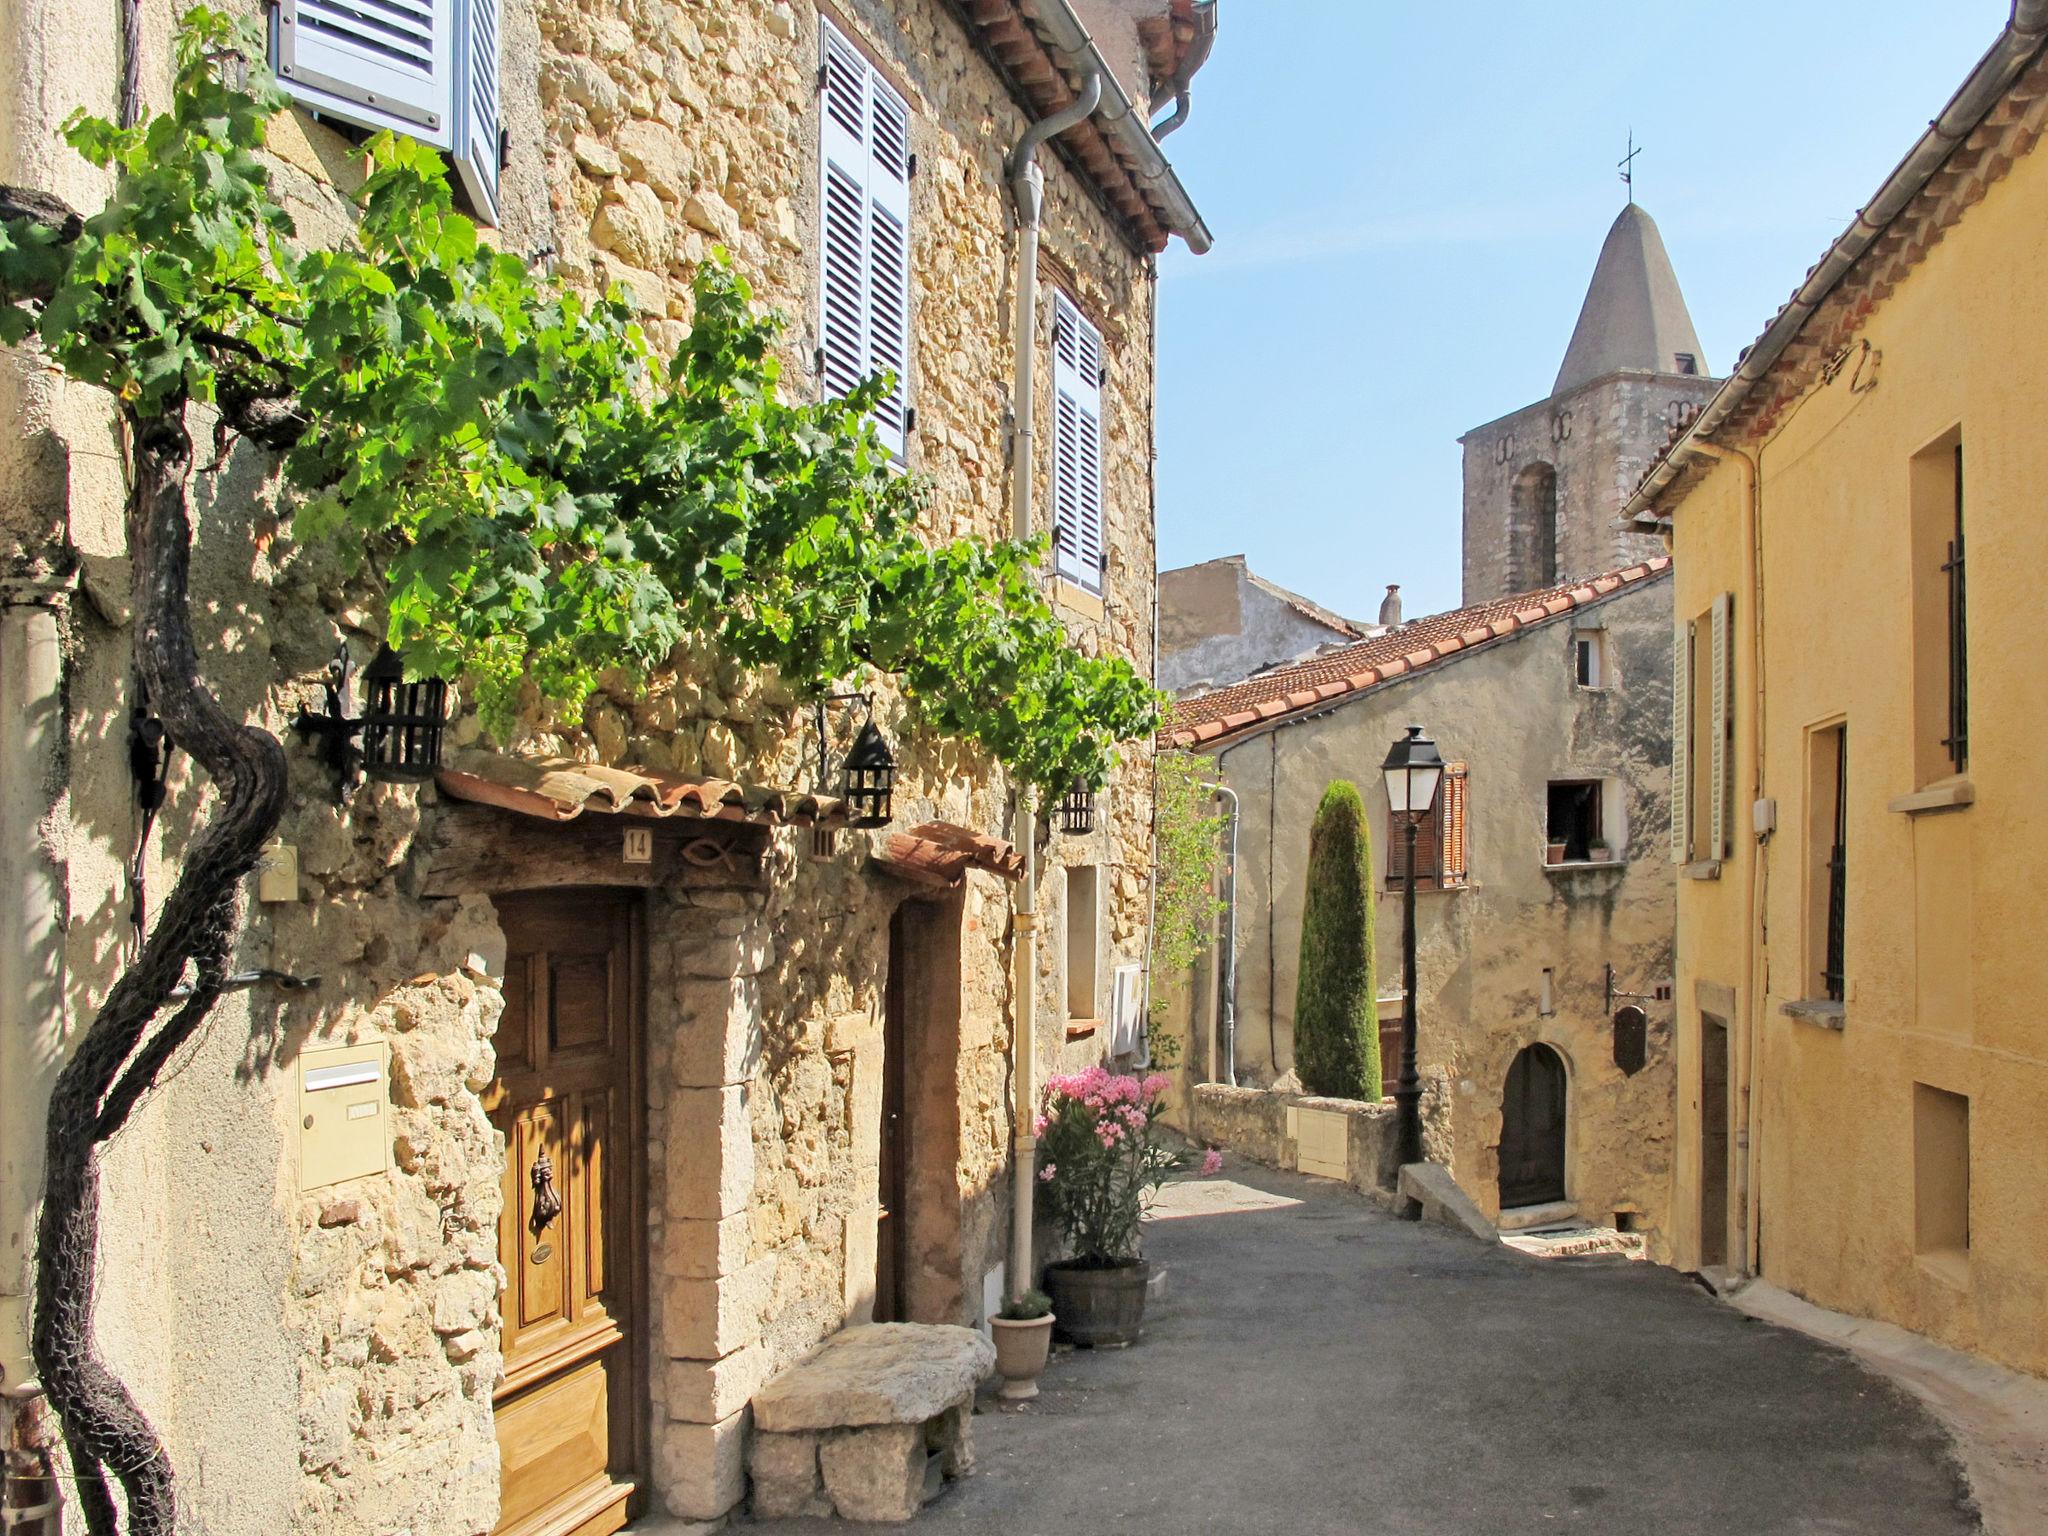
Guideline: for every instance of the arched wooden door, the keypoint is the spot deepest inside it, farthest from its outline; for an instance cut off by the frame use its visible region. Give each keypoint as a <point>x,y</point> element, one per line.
<point>1532,1128</point>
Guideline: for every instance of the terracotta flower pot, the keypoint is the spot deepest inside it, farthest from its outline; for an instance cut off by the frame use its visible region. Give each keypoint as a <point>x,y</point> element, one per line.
<point>1021,1347</point>
<point>1099,1308</point>
<point>1554,853</point>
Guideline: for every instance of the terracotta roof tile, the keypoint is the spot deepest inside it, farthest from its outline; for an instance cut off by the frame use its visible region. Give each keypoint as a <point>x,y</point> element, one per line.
<point>939,854</point>
<point>561,789</point>
<point>1312,684</point>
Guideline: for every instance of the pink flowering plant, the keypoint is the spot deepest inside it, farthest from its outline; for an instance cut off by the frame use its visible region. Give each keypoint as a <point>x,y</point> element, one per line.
<point>1102,1161</point>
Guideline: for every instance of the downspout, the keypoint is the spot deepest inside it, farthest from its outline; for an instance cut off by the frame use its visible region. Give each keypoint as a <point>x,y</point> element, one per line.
<point>1027,184</point>
<point>1226,1020</point>
<point>1752,970</point>
<point>31,1023</point>
<point>1177,90</point>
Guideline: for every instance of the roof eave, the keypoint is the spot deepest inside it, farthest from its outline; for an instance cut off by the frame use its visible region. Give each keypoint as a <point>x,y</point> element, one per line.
<point>1972,102</point>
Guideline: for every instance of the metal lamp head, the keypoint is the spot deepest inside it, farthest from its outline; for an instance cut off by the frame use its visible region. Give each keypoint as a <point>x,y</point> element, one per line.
<point>402,721</point>
<point>1412,770</point>
<point>1076,810</point>
<point>870,778</point>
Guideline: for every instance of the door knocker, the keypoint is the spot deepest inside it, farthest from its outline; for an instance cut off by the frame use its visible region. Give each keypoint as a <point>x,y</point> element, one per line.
<point>547,1205</point>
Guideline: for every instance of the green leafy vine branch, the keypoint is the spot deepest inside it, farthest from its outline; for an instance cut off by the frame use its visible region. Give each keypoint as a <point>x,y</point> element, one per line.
<point>539,497</point>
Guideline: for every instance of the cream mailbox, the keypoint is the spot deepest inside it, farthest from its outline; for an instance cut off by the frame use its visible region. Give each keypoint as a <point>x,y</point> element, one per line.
<point>344,1123</point>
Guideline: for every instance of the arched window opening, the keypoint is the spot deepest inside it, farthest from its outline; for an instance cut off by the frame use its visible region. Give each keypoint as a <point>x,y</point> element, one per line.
<point>1532,529</point>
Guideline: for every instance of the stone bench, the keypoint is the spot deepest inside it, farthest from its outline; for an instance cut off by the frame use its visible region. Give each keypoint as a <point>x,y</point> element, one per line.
<point>871,1425</point>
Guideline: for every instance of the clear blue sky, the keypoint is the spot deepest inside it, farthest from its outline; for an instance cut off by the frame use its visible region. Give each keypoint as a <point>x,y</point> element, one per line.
<point>1408,197</point>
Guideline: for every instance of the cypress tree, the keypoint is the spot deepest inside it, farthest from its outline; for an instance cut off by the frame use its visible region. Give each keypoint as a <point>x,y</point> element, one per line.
<point>1336,1008</point>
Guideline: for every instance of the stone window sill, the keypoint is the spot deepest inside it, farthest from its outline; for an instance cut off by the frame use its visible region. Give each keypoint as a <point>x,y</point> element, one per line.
<point>1701,869</point>
<point>1944,795</point>
<point>1082,1029</point>
<point>1822,1011</point>
<point>1076,598</point>
<point>1579,866</point>
<point>1949,1265</point>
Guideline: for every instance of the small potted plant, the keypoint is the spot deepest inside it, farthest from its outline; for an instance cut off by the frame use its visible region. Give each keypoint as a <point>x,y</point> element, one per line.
<point>1023,1332</point>
<point>1102,1164</point>
<point>1601,852</point>
<point>1553,853</point>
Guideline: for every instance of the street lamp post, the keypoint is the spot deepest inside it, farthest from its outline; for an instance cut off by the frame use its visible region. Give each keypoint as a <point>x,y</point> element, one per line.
<point>1412,769</point>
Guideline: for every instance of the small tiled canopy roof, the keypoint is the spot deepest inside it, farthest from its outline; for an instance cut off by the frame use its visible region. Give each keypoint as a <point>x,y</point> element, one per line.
<point>939,854</point>
<point>1309,686</point>
<point>559,789</point>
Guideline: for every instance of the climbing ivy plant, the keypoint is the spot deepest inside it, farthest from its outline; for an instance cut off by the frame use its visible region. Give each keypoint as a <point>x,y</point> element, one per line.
<point>1187,823</point>
<point>538,495</point>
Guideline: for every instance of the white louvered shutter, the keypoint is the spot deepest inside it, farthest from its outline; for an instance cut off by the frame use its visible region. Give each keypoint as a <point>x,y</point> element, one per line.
<point>864,319</point>
<point>1077,445</point>
<point>478,118</point>
<point>1717,816</point>
<point>1681,743</point>
<point>376,63</point>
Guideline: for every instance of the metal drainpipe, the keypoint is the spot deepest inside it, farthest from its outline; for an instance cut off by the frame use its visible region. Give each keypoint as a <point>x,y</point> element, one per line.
<point>1177,90</point>
<point>1227,959</point>
<point>1027,184</point>
<point>31,1016</point>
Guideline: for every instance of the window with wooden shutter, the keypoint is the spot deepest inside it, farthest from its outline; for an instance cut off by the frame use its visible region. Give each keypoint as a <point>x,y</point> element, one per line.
<point>1681,744</point>
<point>428,69</point>
<point>864,312</point>
<point>1454,797</point>
<point>1078,546</point>
<point>376,63</point>
<point>1720,725</point>
<point>478,116</point>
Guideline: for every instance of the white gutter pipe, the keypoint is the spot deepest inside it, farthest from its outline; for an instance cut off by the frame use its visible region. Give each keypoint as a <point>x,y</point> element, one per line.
<point>1227,960</point>
<point>1121,121</point>
<point>1972,102</point>
<point>31,937</point>
<point>1027,183</point>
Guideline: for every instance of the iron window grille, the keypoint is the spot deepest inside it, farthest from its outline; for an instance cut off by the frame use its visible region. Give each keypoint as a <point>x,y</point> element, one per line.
<point>1833,966</point>
<point>1957,741</point>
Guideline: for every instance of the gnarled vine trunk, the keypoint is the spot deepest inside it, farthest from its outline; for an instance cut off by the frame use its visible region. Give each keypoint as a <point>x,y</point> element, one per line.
<point>124,1050</point>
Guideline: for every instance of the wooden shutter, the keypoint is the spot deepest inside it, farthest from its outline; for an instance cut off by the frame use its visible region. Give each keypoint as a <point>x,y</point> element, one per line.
<point>1455,797</point>
<point>376,63</point>
<point>1077,445</point>
<point>478,118</point>
<point>864,313</point>
<point>1717,814</point>
<point>1681,743</point>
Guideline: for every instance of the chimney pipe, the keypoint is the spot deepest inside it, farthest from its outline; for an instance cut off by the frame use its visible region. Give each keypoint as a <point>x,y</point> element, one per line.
<point>1390,606</point>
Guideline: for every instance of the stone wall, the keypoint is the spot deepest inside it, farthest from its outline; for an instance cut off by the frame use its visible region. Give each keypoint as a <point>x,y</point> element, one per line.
<point>1262,1124</point>
<point>1600,441</point>
<point>1512,712</point>
<point>316,1360</point>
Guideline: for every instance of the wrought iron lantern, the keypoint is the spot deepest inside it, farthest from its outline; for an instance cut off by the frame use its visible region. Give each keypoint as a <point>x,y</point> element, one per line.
<point>1075,810</point>
<point>1412,770</point>
<point>869,778</point>
<point>401,723</point>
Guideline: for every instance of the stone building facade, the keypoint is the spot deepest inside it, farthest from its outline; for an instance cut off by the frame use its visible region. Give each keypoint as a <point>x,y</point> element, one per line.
<point>1220,621</point>
<point>1862,1058</point>
<point>1526,1076</point>
<point>742,993</point>
<point>1544,485</point>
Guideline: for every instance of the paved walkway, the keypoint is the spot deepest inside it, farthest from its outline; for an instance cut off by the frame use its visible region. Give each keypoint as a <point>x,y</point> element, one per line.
<point>1319,1369</point>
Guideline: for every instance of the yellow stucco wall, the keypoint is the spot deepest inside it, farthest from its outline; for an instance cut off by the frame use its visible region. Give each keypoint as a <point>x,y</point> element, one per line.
<point>1945,914</point>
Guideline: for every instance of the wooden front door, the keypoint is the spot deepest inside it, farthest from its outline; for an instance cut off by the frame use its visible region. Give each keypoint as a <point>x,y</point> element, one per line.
<point>892,1218</point>
<point>1714,1117</point>
<point>566,1099</point>
<point>1532,1130</point>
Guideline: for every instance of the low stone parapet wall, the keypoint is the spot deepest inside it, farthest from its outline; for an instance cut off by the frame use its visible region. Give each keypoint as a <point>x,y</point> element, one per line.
<point>1344,1139</point>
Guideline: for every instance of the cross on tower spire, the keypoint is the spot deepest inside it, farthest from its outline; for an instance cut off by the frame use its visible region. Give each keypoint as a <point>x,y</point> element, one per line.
<point>1627,165</point>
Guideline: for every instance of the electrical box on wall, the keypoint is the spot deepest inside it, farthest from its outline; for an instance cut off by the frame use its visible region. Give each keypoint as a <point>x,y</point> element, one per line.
<point>344,1114</point>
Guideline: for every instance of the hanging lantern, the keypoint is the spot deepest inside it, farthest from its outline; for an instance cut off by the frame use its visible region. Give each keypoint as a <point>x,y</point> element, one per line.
<point>400,726</point>
<point>870,778</point>
<point>402,721</point>
<point>1076,810</point>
